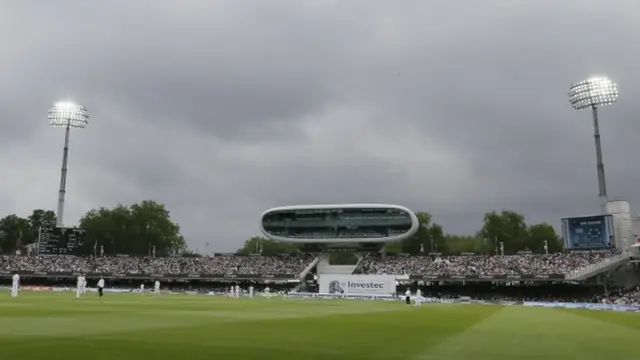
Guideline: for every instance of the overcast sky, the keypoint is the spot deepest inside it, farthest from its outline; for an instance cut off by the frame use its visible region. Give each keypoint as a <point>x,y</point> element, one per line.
<point>222,109</point>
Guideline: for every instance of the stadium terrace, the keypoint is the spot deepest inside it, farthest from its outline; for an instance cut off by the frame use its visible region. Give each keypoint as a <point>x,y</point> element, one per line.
<point>451,268</point>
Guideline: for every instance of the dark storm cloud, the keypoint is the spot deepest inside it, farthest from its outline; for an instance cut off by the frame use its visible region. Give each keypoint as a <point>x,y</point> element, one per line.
<point>222,109</point>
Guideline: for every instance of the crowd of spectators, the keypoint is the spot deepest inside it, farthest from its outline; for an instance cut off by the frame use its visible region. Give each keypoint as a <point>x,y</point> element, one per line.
<point>249,265</point>
<point>629,297</point>
<point>560,263</point>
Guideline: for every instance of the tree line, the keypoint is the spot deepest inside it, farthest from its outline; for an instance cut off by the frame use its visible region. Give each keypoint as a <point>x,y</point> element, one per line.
<point>146,228</point>
<point>504,232</point>
<point>143,228</point>
<point>17,232</point>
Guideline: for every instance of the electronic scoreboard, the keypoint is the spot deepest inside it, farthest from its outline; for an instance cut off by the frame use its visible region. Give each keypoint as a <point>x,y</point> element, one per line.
<point>61,241</point>
<point>588,232</point>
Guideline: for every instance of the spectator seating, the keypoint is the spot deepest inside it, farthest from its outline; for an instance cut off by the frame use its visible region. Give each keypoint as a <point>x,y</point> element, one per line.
<point>249,265</point>
<point>559,263</point>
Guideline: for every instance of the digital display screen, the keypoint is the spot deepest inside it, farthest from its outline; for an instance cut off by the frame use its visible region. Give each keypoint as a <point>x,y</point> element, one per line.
<point>588,232</point>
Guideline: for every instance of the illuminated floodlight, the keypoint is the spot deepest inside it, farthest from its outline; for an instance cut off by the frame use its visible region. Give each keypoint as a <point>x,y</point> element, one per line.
<point>594,92</point>
<point>591,94</point>
<point>68,114</point>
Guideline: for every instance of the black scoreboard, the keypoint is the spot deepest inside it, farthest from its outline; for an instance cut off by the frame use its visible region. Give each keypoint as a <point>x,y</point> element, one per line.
<point>61,241</point>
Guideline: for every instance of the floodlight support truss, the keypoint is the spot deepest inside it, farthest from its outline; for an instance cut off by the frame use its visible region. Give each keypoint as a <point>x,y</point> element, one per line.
<point>63,178</point>
<point>602,183</point>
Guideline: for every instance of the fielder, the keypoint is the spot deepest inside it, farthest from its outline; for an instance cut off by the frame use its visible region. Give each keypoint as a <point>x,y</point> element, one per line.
<point>156,288</point>
<point>142,289</point>
<point>251,292</point>
<point>231,292</point>
<point>101,287</point>
<point>79,287</point>
<point>236,294</point>
<point>418,300</point>
<point>83,288</point>
<point>15,285</point>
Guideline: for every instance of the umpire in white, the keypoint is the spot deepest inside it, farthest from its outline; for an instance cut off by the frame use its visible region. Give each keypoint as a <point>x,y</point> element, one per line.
<point>100,287</point>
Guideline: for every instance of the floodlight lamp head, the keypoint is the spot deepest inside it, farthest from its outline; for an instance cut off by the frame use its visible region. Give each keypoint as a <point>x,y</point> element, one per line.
<point>594,92</point>
<point>68,114</point>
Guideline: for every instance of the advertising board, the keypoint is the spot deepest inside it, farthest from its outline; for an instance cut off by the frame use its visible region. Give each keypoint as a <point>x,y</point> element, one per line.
<point>357,284</point>
<point>587,306</point>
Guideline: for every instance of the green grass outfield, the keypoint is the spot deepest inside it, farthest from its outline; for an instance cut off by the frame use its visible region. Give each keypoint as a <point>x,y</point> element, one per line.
<point>131,326</point>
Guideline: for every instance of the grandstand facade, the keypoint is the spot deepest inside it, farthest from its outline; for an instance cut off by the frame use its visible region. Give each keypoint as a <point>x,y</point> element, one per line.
<point>358,229</point>
<point>345,223</point>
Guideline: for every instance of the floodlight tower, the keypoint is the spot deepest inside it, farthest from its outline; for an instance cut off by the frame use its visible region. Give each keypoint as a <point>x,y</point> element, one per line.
<point>593,93</point>
<point>68,115</point>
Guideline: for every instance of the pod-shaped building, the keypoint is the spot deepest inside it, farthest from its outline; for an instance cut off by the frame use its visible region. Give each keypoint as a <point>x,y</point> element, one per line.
<point>344,223</point>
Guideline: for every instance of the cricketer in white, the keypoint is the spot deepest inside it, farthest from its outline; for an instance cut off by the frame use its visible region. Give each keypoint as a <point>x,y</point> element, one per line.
<point>80,286</point>
<point>15,285</point>
<point>100,287</point>
<point>418,299</point>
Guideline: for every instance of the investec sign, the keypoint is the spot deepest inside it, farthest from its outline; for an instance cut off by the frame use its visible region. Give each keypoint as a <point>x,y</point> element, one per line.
<point>357,284</point>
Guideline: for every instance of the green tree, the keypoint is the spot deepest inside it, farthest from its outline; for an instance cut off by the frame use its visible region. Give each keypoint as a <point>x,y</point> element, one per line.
<point>538,234</point>
<point>429,236</point>
<point>40,218</point>
<point>437,235</point>
<point>393,248</point>
<point>507,227</point>
<point>457,244</point>
<point>267,247</point>
<point>133,230</point>
<point>15,233</point>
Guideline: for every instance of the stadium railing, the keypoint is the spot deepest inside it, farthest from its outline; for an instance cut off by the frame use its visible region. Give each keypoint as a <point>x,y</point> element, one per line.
<point>311,265</point>
<point>594,269</point>
<point>359,264</point>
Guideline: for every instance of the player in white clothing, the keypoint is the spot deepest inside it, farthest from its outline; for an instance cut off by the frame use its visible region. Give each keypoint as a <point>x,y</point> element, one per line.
<point>231,292</point>
<point>267,292</point>
<point>15,285</point>
<point>142,289</point>
<point>79,287</point>
<point>100,287</point>
<point>156,288</point>
<point>236,294</point>
<point>251,292</point>
<point>418,299</point>
<point>407,297</point>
